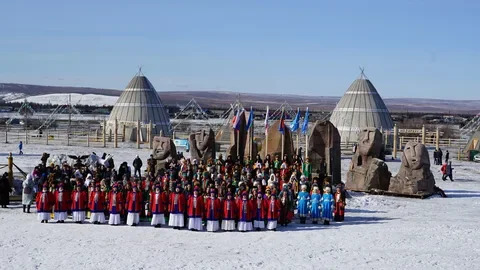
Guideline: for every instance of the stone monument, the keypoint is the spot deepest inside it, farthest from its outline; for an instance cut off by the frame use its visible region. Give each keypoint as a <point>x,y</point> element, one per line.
<point>324,151</point>
<point>163,149</point>
<point>414,176</point>
<point>202,145</point>
<point>275,142</point>
<point>367,171</point>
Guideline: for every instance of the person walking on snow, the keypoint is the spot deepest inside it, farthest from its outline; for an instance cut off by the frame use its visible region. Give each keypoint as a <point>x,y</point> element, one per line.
<point>20,148</point>
<point>447,171</point>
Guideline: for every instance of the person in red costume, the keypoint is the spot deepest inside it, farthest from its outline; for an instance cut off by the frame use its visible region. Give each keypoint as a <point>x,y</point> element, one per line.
<point>158,203</point>
<point>79,203</point>
<point>115,205</point>
<point>134,205</point>
<point>229,213</point>
<point>213,210</point>
<point>62,200</point>
<point>273,212</point>
<point>260,206</point>
<point>245,213</point>
<point>176,208</point>
<point>195,210</point>
<point>96,204</point>
<point>44,202</point>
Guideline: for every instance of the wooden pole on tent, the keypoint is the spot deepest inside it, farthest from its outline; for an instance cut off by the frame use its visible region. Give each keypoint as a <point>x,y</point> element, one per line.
<point>150,134</point>
<point>123,132</point>
<point>115,134</point>
<point>138,134</point>
<point>395,135</point>
<point>104,132</point>
<point>423,134</point>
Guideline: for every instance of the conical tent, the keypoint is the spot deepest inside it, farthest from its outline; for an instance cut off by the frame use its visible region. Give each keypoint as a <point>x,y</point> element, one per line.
<point>139,102</point>
<point>360,107</point>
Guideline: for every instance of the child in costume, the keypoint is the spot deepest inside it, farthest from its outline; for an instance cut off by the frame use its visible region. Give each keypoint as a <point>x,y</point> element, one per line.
<point>115,205</point>
<point>229,213</point>
<point>213,209</point>
<point>245,213</point>
<point>157,207</point>
<point>79,203</point>
<point>327,205</point>
<point>339,197</point>
<point>195,210</point>
<point>62,199</point>
<point>96,204</point>
<point>273,212</point>
<point>134,205</point>
<point>44,203</point>
<point>315,205</point>
<point>176,209</point>
<point>260,209</point>
<point>302,204</point>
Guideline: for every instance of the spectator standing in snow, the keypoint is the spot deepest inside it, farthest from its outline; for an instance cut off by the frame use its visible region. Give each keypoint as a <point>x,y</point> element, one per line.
<point>447,156</point>
<point>447,171</point>
<point>4,191</point>
<point>137,164</point>
<point>20,148</point>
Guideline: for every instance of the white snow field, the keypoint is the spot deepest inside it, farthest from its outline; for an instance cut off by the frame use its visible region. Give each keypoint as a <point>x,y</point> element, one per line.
<point>379,232</point>
<point>76,99</point>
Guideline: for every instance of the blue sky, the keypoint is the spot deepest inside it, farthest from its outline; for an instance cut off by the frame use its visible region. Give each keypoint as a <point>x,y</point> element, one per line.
<point>408,48</point>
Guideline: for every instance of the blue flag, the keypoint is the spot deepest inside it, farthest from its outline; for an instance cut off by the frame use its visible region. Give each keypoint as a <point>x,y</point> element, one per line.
<point>281,127</point>
<point>296,122</point>
<point>305,123</point>
<point>250,119</point>
<point>237,123</point>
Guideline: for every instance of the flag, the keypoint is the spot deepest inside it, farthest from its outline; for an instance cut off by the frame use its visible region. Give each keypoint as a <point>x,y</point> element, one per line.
<point>305,123</point>
<point>250,119</point>
<point>296,122</point>
<point>234,119</point>
<point>281,127</point>
<point>266,121</point>
<point>236,125</point>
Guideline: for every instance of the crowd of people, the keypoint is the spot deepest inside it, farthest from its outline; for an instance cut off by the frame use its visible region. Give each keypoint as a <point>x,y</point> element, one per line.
<point>244,195</point>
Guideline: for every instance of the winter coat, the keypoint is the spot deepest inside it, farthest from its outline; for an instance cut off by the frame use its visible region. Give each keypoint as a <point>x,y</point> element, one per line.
<point>96,202</point>
<point>195,206</point>
<point>115,202</point>
<point>303,199</point>
<point>229,210</point>
<point>28,192</point>
<point>44,202</point>
<point>134,202</point>
<point>273,211</point>
<point>79,201</point>
<point>213,209</point>
<point>158,203</point>
<point>137,163</point>
<point>62,201</point>
<point>177,203</point>
<point>245,210</point>
<point>327,206</point>
<point>315,205</point>
<point>4,191</point>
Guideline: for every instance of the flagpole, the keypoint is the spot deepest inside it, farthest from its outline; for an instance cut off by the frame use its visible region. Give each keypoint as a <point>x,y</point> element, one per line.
<point>306,133</point>
<point>252,131</point>
<point>283,133</point>
<point>298,141</point>
<point>266,135</point>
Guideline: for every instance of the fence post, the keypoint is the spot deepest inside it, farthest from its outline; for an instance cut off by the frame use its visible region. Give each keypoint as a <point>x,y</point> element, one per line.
<point>104,133</point>
<point>46,134</point>
<point>395,135</point>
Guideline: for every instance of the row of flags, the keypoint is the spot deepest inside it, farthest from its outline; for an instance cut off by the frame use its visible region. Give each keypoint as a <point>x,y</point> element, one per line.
<point>294,126</point>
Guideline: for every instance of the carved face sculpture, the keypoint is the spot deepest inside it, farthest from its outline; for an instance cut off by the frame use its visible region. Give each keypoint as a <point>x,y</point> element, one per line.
<point>203,139</point>
<point>415,156</point>
<point>367,142</point>
<point>161,148</point>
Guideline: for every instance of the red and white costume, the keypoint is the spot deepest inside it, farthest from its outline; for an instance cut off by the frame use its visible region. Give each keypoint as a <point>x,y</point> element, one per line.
<point>79,203</point>
<point>44,202</point>
<point>229,214</point>
<point>158,203</point>
<point>134,206</point>
<point>96,204</point>
<point>245,214</point>
<point>176,209</point>
<point>260,207</point>
<point>213,210</point>
<point>62,200</point>
<point>273,212</point>
<point>195,212</point>
<point>115,207</point>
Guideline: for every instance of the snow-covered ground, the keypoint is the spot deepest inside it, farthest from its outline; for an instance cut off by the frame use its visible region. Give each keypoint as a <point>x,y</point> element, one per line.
<point>379,232</point>
<point>77,99</point>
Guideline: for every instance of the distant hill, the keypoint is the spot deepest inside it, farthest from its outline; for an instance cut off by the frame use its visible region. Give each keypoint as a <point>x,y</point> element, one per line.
<point>217,99</point>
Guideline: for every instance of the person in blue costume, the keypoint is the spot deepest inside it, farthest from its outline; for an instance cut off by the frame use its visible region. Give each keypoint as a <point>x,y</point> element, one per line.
<point>327,205</point>
<point>315,205</point>
<point>302,206</point>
